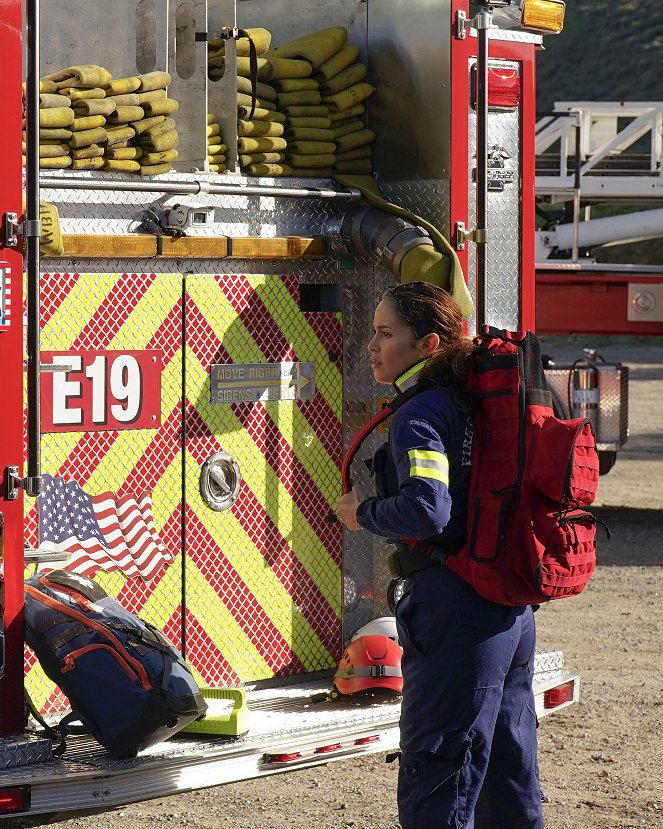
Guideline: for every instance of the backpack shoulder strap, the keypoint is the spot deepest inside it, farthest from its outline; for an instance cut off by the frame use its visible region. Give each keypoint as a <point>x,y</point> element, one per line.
<point>386,411</point>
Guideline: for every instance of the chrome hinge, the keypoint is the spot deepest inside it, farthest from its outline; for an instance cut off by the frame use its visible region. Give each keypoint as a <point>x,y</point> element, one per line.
<point>462,235</point>
<point>32,486</point>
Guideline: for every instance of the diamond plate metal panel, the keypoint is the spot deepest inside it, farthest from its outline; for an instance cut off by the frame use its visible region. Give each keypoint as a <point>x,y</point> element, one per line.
<point>120,311</point>
<point>263,577</point>
<point>503,207</point>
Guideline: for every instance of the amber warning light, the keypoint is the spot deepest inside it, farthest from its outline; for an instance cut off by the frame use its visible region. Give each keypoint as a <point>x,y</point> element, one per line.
<point>543,15</point>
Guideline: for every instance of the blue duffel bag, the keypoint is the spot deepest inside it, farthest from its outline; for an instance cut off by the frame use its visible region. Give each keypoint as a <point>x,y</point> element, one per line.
<point>125,682</point>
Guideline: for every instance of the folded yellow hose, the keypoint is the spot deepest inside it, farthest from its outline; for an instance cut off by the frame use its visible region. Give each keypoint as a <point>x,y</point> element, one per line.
<point>260,158</point>
<point>217,168</point>
<point>343,114</point>
<point>87,122</point>
<point>354,140</point>
<point>116,135</point>
<point>86,75</point>
<point>93,151</point>
<point>55,163</point>
<point>52,150</point>
<point>337,63</point>
<point>213,130</point>
<point>130,99</point>
<point>314,161</point>
<point>352,75</point>
<point>262,40</point>
<point>354,155</point>
<point>95,163</point>
<point>160,143</point>
<point>348,97</point>
<point>152,95</point>
<point>217,149</point>
<point>154,80</point>
<point>295,85</point>
<point>308,134</point>
<point>147,124</point>
<point>155,169</point>
<point>123,153</point>
<point>45,86</point>
<point>259,128</point>
<point>56,117</point>
<point>361,166</point>
<point>311,147</point>
<point>269,170</point>
<point>264,91</point>
<point>55,133</point>
<point>273,67</point>
<point>75,94</point>
<point>123,86</point>
<point>305,98</point>
<point>307,111</point>
<point>346,127</point>
<point>121,166</point>
<point>48,101</point>
<point>316,123</point>
<point>214,139</point>
<point>164,106</point>
<point>315,48</point>
<point>125,114</point>
<point>313,172</point>
<point>260,145</point>
<point>94,106</point>
<point>84,138</point>
<point>160,157</point>
<point>260,114</point>
<point>245,100</point>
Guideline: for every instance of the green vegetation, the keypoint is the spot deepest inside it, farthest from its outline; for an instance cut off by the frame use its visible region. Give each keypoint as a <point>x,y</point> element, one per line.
<point>610,50</point>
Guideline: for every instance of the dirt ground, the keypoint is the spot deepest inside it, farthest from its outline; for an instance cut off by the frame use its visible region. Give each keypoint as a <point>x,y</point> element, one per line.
<point>602,759</point>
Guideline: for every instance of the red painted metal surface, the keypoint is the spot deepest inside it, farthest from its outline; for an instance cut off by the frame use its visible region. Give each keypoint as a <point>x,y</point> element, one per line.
<point>11,359</point>
<point>584,303</point>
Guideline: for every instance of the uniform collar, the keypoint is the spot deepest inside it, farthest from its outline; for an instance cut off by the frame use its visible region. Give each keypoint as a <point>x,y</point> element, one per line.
<point>410,376</point>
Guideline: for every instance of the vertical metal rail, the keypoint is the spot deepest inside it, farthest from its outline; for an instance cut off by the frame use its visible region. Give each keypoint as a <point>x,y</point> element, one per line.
<point>483,20</point>
<point>31,231</point>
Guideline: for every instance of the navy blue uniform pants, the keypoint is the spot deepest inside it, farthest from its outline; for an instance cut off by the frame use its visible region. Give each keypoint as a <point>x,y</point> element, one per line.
<point>468,723</point>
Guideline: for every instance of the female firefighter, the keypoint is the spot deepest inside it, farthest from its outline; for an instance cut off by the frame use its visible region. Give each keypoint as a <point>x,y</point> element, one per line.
<point>468,723</point>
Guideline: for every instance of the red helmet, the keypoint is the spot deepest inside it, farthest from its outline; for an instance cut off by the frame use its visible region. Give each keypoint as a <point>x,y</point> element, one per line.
<point>370,663</point>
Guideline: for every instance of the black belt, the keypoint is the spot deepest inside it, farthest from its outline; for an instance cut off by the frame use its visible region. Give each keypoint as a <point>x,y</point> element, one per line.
<point>405,561</point>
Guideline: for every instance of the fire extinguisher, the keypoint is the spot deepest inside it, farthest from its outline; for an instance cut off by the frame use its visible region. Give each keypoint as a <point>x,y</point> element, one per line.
<point>584,387</point>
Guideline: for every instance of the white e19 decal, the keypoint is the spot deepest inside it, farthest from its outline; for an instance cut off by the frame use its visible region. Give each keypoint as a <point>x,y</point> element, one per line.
<point>126,387</point>
<point>102,390</point>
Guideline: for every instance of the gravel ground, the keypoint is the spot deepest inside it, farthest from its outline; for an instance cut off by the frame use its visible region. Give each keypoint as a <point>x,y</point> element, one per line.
<point>602,759</point>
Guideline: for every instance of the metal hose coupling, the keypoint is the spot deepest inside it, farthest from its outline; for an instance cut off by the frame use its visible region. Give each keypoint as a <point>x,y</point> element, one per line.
<point>381,236</point>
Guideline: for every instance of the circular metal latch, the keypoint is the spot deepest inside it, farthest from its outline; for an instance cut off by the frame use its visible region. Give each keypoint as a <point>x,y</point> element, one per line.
<point>220,480</point>
<point>644,302</point>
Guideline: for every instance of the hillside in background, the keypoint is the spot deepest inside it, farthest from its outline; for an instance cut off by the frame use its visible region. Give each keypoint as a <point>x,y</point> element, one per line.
<point>610,50</point>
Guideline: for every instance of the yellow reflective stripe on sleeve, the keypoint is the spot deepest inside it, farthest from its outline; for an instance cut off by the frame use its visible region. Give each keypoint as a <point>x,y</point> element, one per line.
<point>427,463</point>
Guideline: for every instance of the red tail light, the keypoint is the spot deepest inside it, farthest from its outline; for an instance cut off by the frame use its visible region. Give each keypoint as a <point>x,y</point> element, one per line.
<point>554,697</point>
<point>283,758</point>
<point>504,88</point>
<point>16,799</point>
<point>327,749</point>
<point>363,741</point>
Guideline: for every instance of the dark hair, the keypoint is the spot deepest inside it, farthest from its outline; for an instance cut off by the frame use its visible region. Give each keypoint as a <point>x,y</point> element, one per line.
<point>428,309</point>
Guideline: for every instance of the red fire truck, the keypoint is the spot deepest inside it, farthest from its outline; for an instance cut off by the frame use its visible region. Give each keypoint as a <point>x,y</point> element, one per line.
<point>197,339</point>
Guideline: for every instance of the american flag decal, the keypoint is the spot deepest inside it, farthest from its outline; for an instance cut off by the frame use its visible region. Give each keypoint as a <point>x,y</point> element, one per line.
<point>100,532</point>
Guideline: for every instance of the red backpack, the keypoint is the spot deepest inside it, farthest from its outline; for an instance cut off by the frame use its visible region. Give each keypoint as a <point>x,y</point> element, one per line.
<point>529,537</point>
